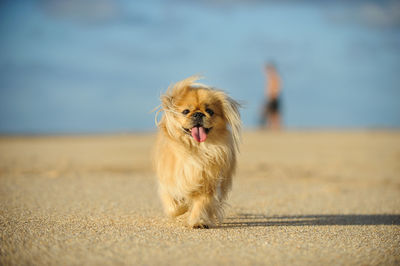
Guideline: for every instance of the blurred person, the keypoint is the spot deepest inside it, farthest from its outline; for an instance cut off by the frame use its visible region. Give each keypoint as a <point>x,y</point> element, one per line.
<point>271,117</point>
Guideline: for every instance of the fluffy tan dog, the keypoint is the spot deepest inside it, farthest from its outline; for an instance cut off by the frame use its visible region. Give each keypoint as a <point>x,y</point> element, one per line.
<point>195,153</point>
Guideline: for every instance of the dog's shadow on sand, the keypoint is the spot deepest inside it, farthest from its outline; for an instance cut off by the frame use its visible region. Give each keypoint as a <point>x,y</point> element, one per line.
<point>253,220</point>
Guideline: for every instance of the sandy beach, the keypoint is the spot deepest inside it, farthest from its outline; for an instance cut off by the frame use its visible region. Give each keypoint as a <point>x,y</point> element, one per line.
<point>299,198</point>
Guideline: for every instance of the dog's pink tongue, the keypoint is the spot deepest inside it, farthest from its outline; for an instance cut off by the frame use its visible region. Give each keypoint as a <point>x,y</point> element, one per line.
<point>199,134</point>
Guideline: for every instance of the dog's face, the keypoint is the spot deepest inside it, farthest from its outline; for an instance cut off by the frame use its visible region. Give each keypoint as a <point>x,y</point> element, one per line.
<point>196,111</point>
<point>200,113</point>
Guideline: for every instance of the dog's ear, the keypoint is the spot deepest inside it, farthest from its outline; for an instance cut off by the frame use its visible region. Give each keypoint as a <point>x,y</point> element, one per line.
<point>230,109</point>
<point>166,101</point>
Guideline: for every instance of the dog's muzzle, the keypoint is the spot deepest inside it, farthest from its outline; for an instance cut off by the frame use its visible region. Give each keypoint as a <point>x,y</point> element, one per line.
<point>197,118</point>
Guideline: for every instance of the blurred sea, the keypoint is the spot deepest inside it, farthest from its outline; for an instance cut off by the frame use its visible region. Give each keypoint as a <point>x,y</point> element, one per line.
<point>100,66</point>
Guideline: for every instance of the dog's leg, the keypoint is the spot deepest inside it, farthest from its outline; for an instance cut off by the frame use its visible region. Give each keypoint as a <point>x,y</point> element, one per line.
<point>201,212</point>
<point>172,207</point>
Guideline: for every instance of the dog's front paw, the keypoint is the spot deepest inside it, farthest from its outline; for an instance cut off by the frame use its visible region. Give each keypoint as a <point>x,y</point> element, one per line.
<point>200,226</point>
<point>176,210</point>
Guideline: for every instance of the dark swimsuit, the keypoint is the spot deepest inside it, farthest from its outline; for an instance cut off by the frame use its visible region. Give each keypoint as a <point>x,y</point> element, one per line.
<point>273,106</point>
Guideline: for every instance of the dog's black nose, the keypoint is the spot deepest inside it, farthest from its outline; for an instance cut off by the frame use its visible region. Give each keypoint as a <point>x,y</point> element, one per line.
<point>197,118</point>
<point>198,115</point>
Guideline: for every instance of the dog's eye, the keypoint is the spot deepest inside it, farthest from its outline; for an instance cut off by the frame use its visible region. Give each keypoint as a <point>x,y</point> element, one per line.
<point>209,111</point>
<point>185,112</point>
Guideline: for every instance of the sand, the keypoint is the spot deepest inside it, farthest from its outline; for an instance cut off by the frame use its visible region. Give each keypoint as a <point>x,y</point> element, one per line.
<point>299,198</point>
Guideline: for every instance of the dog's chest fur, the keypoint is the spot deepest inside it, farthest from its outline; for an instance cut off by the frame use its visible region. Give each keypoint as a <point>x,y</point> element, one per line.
<point>198,169</point>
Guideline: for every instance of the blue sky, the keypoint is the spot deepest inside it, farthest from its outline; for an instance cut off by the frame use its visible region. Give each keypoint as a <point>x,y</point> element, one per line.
<point>100,66</point>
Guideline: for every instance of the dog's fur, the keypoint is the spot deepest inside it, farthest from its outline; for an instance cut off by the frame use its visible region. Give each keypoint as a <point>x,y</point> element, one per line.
<point>195,170</point>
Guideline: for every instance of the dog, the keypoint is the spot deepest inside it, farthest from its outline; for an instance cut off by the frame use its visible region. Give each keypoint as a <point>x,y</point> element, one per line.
<point>196,150</point>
